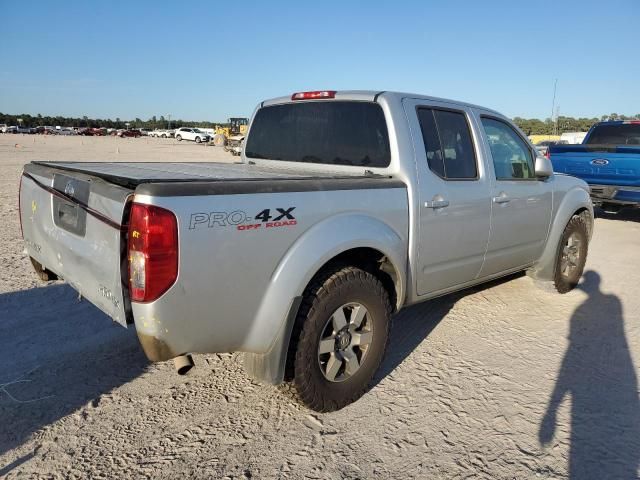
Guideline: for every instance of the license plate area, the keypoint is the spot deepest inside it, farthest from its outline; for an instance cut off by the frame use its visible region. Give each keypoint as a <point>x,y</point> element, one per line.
<point>69,215</point>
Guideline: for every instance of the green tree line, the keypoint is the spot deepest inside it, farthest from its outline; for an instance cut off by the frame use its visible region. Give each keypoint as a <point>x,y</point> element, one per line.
<point>535,126</point>
<point>530,126</point>
<point>152,123</point>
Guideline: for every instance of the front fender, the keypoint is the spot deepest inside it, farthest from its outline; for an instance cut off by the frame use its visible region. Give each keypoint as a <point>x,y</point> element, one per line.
<point>575,199</point>
<point>324,241</point>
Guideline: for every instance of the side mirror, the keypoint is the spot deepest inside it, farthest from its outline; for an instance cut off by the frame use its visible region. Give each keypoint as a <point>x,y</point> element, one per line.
<point>544,168</point>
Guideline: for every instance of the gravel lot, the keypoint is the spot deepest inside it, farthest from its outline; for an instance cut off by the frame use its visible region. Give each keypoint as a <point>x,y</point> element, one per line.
<point>504,381</point>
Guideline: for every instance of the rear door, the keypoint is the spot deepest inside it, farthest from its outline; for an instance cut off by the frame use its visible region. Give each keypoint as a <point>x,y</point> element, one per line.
<point>72,225</point>
<point>521,203</point>
<point>454,193</point>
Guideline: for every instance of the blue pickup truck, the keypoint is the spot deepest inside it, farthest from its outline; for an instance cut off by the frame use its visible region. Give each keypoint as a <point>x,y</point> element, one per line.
<point>608,160</point>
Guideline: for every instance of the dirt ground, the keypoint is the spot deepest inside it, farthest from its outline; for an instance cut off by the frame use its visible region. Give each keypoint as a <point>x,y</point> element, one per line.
<point>505,381</point>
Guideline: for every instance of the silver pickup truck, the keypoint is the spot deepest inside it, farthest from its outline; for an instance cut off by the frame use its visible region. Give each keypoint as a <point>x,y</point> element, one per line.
<point>347,207</point>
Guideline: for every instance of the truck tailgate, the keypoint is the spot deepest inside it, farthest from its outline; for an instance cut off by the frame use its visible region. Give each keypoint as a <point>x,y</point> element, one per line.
<point>599,165</point>
<point>72,225</point>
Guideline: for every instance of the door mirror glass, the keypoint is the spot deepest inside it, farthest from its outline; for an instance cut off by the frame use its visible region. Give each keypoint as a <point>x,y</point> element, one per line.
<point>544,168</point>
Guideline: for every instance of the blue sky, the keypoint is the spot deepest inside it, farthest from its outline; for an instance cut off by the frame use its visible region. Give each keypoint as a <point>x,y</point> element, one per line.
<point>208,61</point>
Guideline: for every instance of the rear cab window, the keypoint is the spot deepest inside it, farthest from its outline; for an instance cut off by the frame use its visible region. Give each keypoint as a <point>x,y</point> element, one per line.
<point>615,134</point>
<point>335,132</point>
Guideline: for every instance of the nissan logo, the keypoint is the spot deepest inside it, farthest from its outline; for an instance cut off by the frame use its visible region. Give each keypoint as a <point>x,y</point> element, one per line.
<point>69,190</point>
<point>599,161</point>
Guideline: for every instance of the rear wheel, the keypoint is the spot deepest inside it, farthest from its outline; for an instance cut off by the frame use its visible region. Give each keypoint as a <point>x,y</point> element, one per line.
<point>179,138</point>
<point>572,255</point>
<point>340,338</point>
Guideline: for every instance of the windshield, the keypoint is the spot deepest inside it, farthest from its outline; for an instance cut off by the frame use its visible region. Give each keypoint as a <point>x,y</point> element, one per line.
<point>333,132</point>
<point>615,134</point>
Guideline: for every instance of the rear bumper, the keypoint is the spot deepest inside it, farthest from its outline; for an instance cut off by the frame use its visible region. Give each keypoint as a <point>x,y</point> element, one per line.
<point>623,195</point>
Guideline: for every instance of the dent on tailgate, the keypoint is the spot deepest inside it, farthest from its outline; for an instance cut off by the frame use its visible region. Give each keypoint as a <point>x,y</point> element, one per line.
<point>72,225</point>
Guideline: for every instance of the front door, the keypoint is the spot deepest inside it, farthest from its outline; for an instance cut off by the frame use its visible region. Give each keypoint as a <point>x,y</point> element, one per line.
<point>522,203</point>
<point>454,193</point>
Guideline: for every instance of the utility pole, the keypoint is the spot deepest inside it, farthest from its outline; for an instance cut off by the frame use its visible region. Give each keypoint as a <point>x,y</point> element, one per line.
<point>169,117</point>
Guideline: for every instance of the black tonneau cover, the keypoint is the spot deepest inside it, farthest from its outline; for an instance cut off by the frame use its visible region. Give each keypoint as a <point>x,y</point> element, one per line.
<point>132,174</point>
<point>185,179</point>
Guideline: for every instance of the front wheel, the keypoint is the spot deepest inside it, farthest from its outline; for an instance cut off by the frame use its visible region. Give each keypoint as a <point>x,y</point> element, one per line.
<point>198,140</point>
<point>219,140</point>
<point>572,255</point>
<point>179,138</point>
<point>340,338</point>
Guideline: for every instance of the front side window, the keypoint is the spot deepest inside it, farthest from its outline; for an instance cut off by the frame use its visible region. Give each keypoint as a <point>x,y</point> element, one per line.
<point>448,144</point>
<point>512,158</point>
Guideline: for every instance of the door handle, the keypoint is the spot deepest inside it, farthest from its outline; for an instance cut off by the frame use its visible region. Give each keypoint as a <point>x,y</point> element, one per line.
<point>502,198</point>
<point>437,204</point>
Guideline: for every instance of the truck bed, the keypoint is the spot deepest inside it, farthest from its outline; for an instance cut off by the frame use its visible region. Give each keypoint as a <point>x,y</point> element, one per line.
<point>75,220</point>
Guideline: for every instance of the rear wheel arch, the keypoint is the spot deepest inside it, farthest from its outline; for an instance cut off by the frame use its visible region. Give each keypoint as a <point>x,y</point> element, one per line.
<point>364,241</point>
<point>367,259</point>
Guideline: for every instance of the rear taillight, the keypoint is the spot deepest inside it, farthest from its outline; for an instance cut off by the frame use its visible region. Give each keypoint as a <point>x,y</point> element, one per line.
<point>312,95</point>
<point>547,154</point>
<point>152,243</point>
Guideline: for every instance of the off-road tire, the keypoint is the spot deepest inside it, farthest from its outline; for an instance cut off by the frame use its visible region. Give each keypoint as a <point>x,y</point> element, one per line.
<point>328,292</point>
<point>576,226</point>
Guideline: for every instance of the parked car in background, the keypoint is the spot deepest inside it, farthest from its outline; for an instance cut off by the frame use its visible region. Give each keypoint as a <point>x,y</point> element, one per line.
<point>11,129</point>
<point>92,132</point>
<point>608,160</point>
<point>348,206</point>
<point>193,134</point>
<point>66,131</point>
<point>129,133</point>
<point>159,133</point>
<point>23,129</point>
<point>144,131</point>
<point>543,147</point>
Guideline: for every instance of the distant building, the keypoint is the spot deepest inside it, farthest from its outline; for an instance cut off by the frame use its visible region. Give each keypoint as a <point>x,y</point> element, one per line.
<point>573,137</point>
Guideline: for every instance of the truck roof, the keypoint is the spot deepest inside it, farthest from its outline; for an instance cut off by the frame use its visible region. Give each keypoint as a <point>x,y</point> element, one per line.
<point>619,122</point>
<point>372,95</point>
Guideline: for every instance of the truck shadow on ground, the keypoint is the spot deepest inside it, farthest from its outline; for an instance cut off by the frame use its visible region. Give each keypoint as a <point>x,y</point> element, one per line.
<point>597,372</point>
<point>414,324</point>
<point>57,356</point>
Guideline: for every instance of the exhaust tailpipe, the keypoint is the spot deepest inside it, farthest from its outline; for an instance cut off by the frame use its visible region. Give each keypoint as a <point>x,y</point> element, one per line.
<point>183,364</point>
